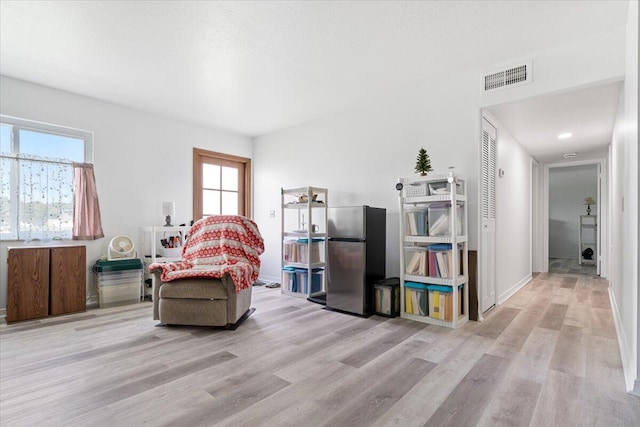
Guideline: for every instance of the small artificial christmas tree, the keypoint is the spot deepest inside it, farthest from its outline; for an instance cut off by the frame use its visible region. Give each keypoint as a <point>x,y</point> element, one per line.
<point>423,165</point>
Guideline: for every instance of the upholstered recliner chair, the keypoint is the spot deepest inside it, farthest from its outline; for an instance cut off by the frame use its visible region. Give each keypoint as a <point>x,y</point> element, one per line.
<point>206,302</point>
<point>211,286</point>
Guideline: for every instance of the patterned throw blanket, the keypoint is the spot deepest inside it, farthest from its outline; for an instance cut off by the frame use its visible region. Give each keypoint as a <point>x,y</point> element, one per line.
<point>217,245</point>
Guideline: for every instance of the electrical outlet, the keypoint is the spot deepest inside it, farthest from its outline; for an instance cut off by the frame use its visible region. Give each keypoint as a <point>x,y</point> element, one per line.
<point>272,214</point>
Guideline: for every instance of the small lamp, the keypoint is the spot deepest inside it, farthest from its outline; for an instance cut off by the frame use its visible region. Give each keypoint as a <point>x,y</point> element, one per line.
<point>589,201</point>
<point>168,209</point>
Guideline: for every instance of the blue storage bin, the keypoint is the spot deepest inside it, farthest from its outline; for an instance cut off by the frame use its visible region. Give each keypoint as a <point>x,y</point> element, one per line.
<point>416,298</point>
<point>441,301</point>
<point>316,280</point>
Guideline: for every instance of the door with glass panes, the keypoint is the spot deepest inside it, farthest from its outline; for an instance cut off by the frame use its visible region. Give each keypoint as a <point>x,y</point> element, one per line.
<point>221,184</point>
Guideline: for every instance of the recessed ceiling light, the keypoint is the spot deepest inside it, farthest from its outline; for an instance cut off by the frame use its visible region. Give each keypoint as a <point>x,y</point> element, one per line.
<point>569,155</point>
<point>565,135</point>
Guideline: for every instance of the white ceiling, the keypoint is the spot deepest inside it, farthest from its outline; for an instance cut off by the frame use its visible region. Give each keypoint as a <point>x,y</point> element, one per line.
<point>256,67</point>
<point>588,114</point>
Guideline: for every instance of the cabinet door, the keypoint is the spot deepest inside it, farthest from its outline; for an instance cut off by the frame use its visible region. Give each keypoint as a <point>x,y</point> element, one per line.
<point>28,284</point>
<point>68,280</point>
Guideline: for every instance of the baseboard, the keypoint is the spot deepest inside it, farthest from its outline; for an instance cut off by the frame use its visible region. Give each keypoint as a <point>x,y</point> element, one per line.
<point>513,289</point>
<point>270,279</point>
<point>93,301</point>
<point>628,362</point>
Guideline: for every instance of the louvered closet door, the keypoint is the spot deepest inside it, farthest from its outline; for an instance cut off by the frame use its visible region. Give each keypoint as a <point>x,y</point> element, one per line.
<point>488,245</point>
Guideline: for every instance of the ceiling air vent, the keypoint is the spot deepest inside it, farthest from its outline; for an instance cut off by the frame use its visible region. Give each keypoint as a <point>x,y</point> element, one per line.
<point>510,76</point>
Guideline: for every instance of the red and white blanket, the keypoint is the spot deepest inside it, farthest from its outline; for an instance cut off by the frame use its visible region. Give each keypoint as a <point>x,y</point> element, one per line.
<point>217,245</point>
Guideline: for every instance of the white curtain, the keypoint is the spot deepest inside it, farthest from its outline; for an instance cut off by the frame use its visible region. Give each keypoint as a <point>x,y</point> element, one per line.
<point>36,198</point>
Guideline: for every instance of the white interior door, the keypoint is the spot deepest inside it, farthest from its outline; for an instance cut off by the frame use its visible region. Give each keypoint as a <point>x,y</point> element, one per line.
<point>488,245</point>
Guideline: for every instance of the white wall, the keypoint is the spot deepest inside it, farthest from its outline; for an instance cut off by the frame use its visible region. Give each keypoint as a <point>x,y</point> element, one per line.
<point>624,211</point>
<point>140,159</point>
<point>513,214</point>
<point>359,153</point>
<point>568,187</point>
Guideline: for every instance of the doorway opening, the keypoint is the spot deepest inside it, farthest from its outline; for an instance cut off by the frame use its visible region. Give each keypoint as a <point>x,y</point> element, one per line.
<point>573,227</point>
<point>575,218</point>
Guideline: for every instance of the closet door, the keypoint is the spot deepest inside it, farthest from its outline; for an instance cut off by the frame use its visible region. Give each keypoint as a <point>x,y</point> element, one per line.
<point>488,202</point>
<point>68,280</point>
<point>28,284</point>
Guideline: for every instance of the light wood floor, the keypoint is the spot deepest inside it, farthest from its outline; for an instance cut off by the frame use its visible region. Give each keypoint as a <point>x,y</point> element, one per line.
<point>570,266</point>
<point>548,357</point>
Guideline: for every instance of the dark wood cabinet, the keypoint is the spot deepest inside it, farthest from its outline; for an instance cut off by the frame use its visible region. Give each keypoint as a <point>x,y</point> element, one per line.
<point>28,284</point>
<point>46,281</point>
<point>68,281</point>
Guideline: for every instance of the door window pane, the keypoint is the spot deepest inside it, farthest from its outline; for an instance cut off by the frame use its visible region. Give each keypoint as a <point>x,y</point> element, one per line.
<point>229,203</point>
<point>229,178</point>
<point>210,202</point>
<point>210,176</point>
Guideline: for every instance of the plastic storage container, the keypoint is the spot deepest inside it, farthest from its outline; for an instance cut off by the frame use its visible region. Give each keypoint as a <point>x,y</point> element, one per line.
<point>440,221</point>
<point>289,281</point>
<point>443,188</point>
<point>416,221</point>
<point>317,248</point>
<point>441,260</point>
<point>416,260</point>
<point>316,280</point>
<point>290,251</point>
<point>387,297</point>
<point>119,282</point>
<point>415,189</point>
<point>416,299</point>
<point>441,302</point>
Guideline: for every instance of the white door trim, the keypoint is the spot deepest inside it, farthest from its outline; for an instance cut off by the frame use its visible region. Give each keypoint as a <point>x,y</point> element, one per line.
<point>535,232</point>
<point>602,212</point>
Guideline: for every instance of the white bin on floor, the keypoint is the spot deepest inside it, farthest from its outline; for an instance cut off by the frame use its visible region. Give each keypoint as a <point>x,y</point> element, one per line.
<point>119,282</point>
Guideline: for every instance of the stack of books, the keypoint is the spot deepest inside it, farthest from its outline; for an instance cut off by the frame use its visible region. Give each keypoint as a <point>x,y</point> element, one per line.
<point>416,222</point>
<point>417,261</point>
<point>415,298</point>
<point>441,260</point>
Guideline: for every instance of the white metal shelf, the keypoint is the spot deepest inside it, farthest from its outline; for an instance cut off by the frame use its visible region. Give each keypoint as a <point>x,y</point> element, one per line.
<point>149,252</point>
<point>296,205</point>
<point>304,264</point>
<point>431,199</point>
<point>303,235</point>
<point>434,239</point>
<point>588,223</point>
<point>460,280</point>
<point>461,320</point>
<point>312,209</point>
<point>456,196</point>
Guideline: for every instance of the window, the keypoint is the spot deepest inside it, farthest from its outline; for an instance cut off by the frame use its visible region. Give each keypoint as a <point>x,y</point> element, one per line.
<point>220,183</point>
<point>36,178</point>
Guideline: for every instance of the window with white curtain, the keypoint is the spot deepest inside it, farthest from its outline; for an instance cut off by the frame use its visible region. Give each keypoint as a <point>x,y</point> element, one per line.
<point>36,178</point>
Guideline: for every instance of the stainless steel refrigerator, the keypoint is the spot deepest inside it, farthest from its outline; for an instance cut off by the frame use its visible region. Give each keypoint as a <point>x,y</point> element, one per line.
<point>357,247</point>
